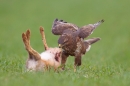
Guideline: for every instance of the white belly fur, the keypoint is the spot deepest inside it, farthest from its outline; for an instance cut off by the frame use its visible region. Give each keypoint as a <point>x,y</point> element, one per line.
<point>47,56</point>
<point>50,58</point>
<point>31,64</point>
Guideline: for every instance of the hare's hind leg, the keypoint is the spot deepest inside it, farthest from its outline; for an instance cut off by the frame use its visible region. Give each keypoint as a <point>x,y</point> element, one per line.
<point>32,53</point>
<point>28,34</point>
<point>43,38</point>
<point>34,56</point>
<point>25,41</point>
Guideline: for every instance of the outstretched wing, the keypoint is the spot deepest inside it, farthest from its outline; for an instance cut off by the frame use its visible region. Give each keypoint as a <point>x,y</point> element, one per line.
<point>86,30</point>
<point>59,26</point>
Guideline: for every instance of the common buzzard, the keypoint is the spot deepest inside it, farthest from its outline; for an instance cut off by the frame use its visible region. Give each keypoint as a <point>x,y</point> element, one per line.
<point>72,41</point>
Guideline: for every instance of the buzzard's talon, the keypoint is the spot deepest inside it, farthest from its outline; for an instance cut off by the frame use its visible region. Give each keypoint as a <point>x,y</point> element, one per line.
<point>76,68</point>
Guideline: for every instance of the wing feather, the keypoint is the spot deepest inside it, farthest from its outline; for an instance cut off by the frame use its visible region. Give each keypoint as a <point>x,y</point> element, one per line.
<point>59,26</point>
<point>86,30</point>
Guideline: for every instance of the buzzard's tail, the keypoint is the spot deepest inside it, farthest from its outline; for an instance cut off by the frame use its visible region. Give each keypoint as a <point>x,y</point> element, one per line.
<point>98,23</point>
<point>87,43</point>
<point>92,40</point>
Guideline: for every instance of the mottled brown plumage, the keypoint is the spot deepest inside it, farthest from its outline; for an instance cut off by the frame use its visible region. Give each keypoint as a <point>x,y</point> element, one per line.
<point>71,39</point>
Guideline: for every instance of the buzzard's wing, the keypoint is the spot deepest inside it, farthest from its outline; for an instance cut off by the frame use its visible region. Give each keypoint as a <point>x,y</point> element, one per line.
<point>86,30</point>
<point>59,26</point>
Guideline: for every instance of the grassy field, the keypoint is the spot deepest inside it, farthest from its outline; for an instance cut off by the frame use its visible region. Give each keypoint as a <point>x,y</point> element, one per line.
<point>106,64</point>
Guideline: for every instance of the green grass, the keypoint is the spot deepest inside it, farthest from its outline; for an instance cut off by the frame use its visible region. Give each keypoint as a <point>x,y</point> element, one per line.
<point>106,64</point>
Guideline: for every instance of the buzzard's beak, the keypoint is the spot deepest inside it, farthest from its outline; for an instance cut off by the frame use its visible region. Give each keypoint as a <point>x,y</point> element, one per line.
<point>60,46</point>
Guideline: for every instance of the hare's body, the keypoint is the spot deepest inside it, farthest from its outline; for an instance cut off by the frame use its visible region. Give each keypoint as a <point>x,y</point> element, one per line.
<point>33,65</point>
<point>48,57</point>
<point>51,57</point>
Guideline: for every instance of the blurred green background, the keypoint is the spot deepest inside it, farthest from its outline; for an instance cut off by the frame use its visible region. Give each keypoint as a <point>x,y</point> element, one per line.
<point>108,61</point>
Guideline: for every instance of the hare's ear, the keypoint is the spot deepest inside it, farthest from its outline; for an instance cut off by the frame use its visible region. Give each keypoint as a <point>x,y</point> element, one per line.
<point>43,38</point>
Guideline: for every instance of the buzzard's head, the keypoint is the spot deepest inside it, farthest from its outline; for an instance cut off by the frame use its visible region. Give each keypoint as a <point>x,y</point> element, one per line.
<point>63,40</point>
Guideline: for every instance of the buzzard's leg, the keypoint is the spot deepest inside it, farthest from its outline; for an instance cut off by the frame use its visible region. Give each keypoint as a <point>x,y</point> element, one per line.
<point>63,61</point>
<point>77,61</point>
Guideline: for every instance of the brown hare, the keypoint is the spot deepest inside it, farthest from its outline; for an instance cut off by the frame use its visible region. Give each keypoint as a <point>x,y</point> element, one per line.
<point>51,57</point>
